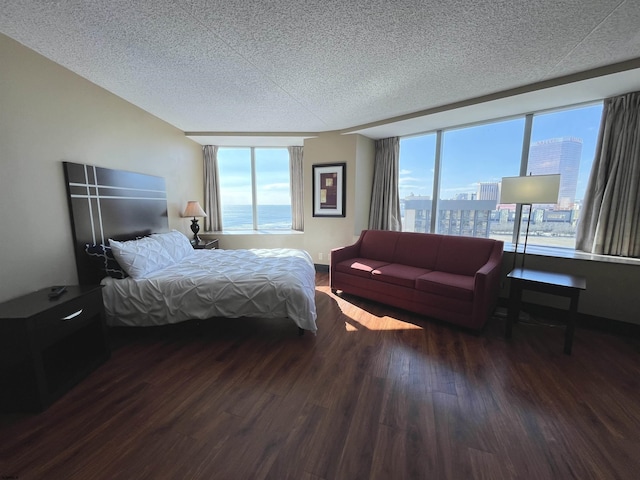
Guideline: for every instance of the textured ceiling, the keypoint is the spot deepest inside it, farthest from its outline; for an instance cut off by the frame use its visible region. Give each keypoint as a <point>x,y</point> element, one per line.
<point>317,65</point>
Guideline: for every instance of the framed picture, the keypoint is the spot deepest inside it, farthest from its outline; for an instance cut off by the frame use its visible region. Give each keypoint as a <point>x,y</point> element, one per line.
<point>329,189</point>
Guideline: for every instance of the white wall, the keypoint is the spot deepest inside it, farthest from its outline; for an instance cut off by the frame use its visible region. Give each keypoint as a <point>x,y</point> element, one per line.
<point>49,115</point>
<point>324,233</point>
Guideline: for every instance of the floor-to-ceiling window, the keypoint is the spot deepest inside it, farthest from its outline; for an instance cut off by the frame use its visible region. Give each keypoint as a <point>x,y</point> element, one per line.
<point>562,142</point>
<point>417,164</point>
<point>462,169</point>
<point>474,160</point>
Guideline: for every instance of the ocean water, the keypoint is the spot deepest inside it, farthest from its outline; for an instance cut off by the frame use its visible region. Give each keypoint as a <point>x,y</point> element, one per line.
<point>270,217</point>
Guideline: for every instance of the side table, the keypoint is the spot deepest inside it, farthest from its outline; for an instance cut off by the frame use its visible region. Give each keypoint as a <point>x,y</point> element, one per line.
<point>547,282</point>
<point>205,244</point>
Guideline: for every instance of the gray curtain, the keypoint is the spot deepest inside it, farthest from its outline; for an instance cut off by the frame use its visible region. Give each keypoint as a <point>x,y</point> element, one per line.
<point>610,217</point>
<point>297,195</point>
<point>213,220</point>
<point>385,201</point>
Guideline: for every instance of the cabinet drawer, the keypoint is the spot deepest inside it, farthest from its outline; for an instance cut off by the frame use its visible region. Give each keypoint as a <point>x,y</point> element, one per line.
<point>66,318</point>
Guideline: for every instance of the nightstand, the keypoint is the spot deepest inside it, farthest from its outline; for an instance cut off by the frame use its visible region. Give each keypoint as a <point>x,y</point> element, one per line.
<point>206,244</point>
<point>47,346</point>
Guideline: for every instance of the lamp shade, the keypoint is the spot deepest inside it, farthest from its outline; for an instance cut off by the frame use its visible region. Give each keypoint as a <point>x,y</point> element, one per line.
<point>530,189</point>
<point>193,210</point>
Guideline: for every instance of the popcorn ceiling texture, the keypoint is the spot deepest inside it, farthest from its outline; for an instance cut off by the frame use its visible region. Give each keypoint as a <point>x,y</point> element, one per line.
<point>318,65</point>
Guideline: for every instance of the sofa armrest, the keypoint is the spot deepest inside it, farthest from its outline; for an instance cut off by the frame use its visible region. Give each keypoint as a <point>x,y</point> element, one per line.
<point>344,253</point>
<point>340,254</point>
<point>487,286</point>
<point>489,273</point>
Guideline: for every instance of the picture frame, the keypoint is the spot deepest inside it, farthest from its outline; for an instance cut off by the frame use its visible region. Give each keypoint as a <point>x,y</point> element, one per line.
<point>329,190</point>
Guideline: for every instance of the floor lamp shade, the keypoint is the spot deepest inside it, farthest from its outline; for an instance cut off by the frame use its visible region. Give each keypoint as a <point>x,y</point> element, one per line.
<point>531,189</point>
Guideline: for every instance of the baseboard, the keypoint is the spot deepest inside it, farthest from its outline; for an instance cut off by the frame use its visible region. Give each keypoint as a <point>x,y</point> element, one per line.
<point>592,322</point>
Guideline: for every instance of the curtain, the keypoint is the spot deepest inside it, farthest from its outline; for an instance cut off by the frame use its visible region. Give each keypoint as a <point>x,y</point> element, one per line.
<point>610,217</point>
<point>213,220</point>
<point>385,200</point>
<point>297,196</point>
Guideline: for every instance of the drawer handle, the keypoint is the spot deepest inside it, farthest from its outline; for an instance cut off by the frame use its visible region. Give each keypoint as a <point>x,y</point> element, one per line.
<point>73,315</point>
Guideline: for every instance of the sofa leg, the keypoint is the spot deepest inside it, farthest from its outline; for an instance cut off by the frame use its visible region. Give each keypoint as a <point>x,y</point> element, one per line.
<point>334,291</point>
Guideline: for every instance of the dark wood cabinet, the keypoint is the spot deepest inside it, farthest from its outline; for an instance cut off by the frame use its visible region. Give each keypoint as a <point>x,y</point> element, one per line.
<point>49,345</point>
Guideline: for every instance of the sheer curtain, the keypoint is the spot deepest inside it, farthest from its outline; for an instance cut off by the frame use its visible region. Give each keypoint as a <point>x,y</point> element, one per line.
<point>385,200</point>
<point>213,220</point>
<point>297,195</point>
<point>610,217</point>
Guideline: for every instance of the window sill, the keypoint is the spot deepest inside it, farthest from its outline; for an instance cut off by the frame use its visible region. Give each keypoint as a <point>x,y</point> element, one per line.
<point>253,232</point>
<point>559,252</point>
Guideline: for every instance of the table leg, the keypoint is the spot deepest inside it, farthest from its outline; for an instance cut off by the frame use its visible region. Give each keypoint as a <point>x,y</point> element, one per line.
<point>515,302</point>
<point>571,322</point>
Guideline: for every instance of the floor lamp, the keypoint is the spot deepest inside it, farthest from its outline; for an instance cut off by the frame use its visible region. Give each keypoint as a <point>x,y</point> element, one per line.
<point>528,190</point>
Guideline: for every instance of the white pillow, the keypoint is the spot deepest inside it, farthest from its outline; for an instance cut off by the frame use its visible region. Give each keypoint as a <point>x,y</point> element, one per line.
<point>140,257</point>
<point>176,243</point>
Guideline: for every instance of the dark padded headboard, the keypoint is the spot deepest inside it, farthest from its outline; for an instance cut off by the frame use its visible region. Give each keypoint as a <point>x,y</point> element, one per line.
<point>106,203</point>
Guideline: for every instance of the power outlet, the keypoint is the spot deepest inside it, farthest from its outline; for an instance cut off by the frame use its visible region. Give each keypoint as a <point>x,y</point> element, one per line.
<point>320,256</point>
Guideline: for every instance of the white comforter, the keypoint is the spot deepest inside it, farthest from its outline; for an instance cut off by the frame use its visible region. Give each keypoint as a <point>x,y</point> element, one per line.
<point>264,283</point>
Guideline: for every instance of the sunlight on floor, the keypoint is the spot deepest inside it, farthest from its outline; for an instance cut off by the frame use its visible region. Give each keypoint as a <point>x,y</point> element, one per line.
<point>382,323</point>
<point>368,320</point>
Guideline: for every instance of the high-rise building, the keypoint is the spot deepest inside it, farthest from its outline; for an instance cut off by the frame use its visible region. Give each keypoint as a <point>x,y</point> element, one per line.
<point>488,191</point>
<point>558,155</point>
<point>465,217</point>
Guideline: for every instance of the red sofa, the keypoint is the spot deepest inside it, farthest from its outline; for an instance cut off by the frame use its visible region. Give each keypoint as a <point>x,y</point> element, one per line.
<point>450,278</point>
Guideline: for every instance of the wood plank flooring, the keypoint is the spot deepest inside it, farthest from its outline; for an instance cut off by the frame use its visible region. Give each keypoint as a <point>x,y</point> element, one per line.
<point>378,394</point>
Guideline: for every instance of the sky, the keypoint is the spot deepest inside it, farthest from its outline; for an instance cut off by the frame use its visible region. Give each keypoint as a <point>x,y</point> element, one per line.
<point>272,176</point>
<point>486,153</point>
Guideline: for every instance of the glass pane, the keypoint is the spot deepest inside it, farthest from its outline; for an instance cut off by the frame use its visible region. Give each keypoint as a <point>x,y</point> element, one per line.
<point>474,160</point>
<point>273,188</point>
<point>416,165</point>
<point>562,142</point>
<point>234,170</point>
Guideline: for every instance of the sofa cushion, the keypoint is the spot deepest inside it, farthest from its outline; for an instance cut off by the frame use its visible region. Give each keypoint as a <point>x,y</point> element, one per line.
<point>447,284</point>
<point>417,249</point>
<point>361,267</point>
<point>403,275</point>
<point>379,245</point>
<point>463,255</point>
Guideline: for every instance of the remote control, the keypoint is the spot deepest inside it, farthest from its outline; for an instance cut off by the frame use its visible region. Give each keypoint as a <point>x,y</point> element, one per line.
<point>55,292</point>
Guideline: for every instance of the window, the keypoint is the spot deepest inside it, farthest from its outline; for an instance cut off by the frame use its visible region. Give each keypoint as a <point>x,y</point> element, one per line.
<point>562,142</point>
<point>473,160</point>
<point>255,188</point>
<point>417,163</point>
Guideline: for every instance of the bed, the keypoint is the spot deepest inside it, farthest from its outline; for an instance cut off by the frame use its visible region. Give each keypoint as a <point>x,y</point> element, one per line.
<point>152,276</point>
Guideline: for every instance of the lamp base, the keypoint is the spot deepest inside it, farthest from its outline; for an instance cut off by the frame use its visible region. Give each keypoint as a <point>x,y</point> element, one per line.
<point>195,228</point>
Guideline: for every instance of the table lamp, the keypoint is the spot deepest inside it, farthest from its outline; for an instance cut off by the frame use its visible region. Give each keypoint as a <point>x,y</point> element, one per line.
<point>194,210</point>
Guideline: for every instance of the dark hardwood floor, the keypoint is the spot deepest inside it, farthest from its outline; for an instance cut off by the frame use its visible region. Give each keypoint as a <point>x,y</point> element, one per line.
<point>378,393</point>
